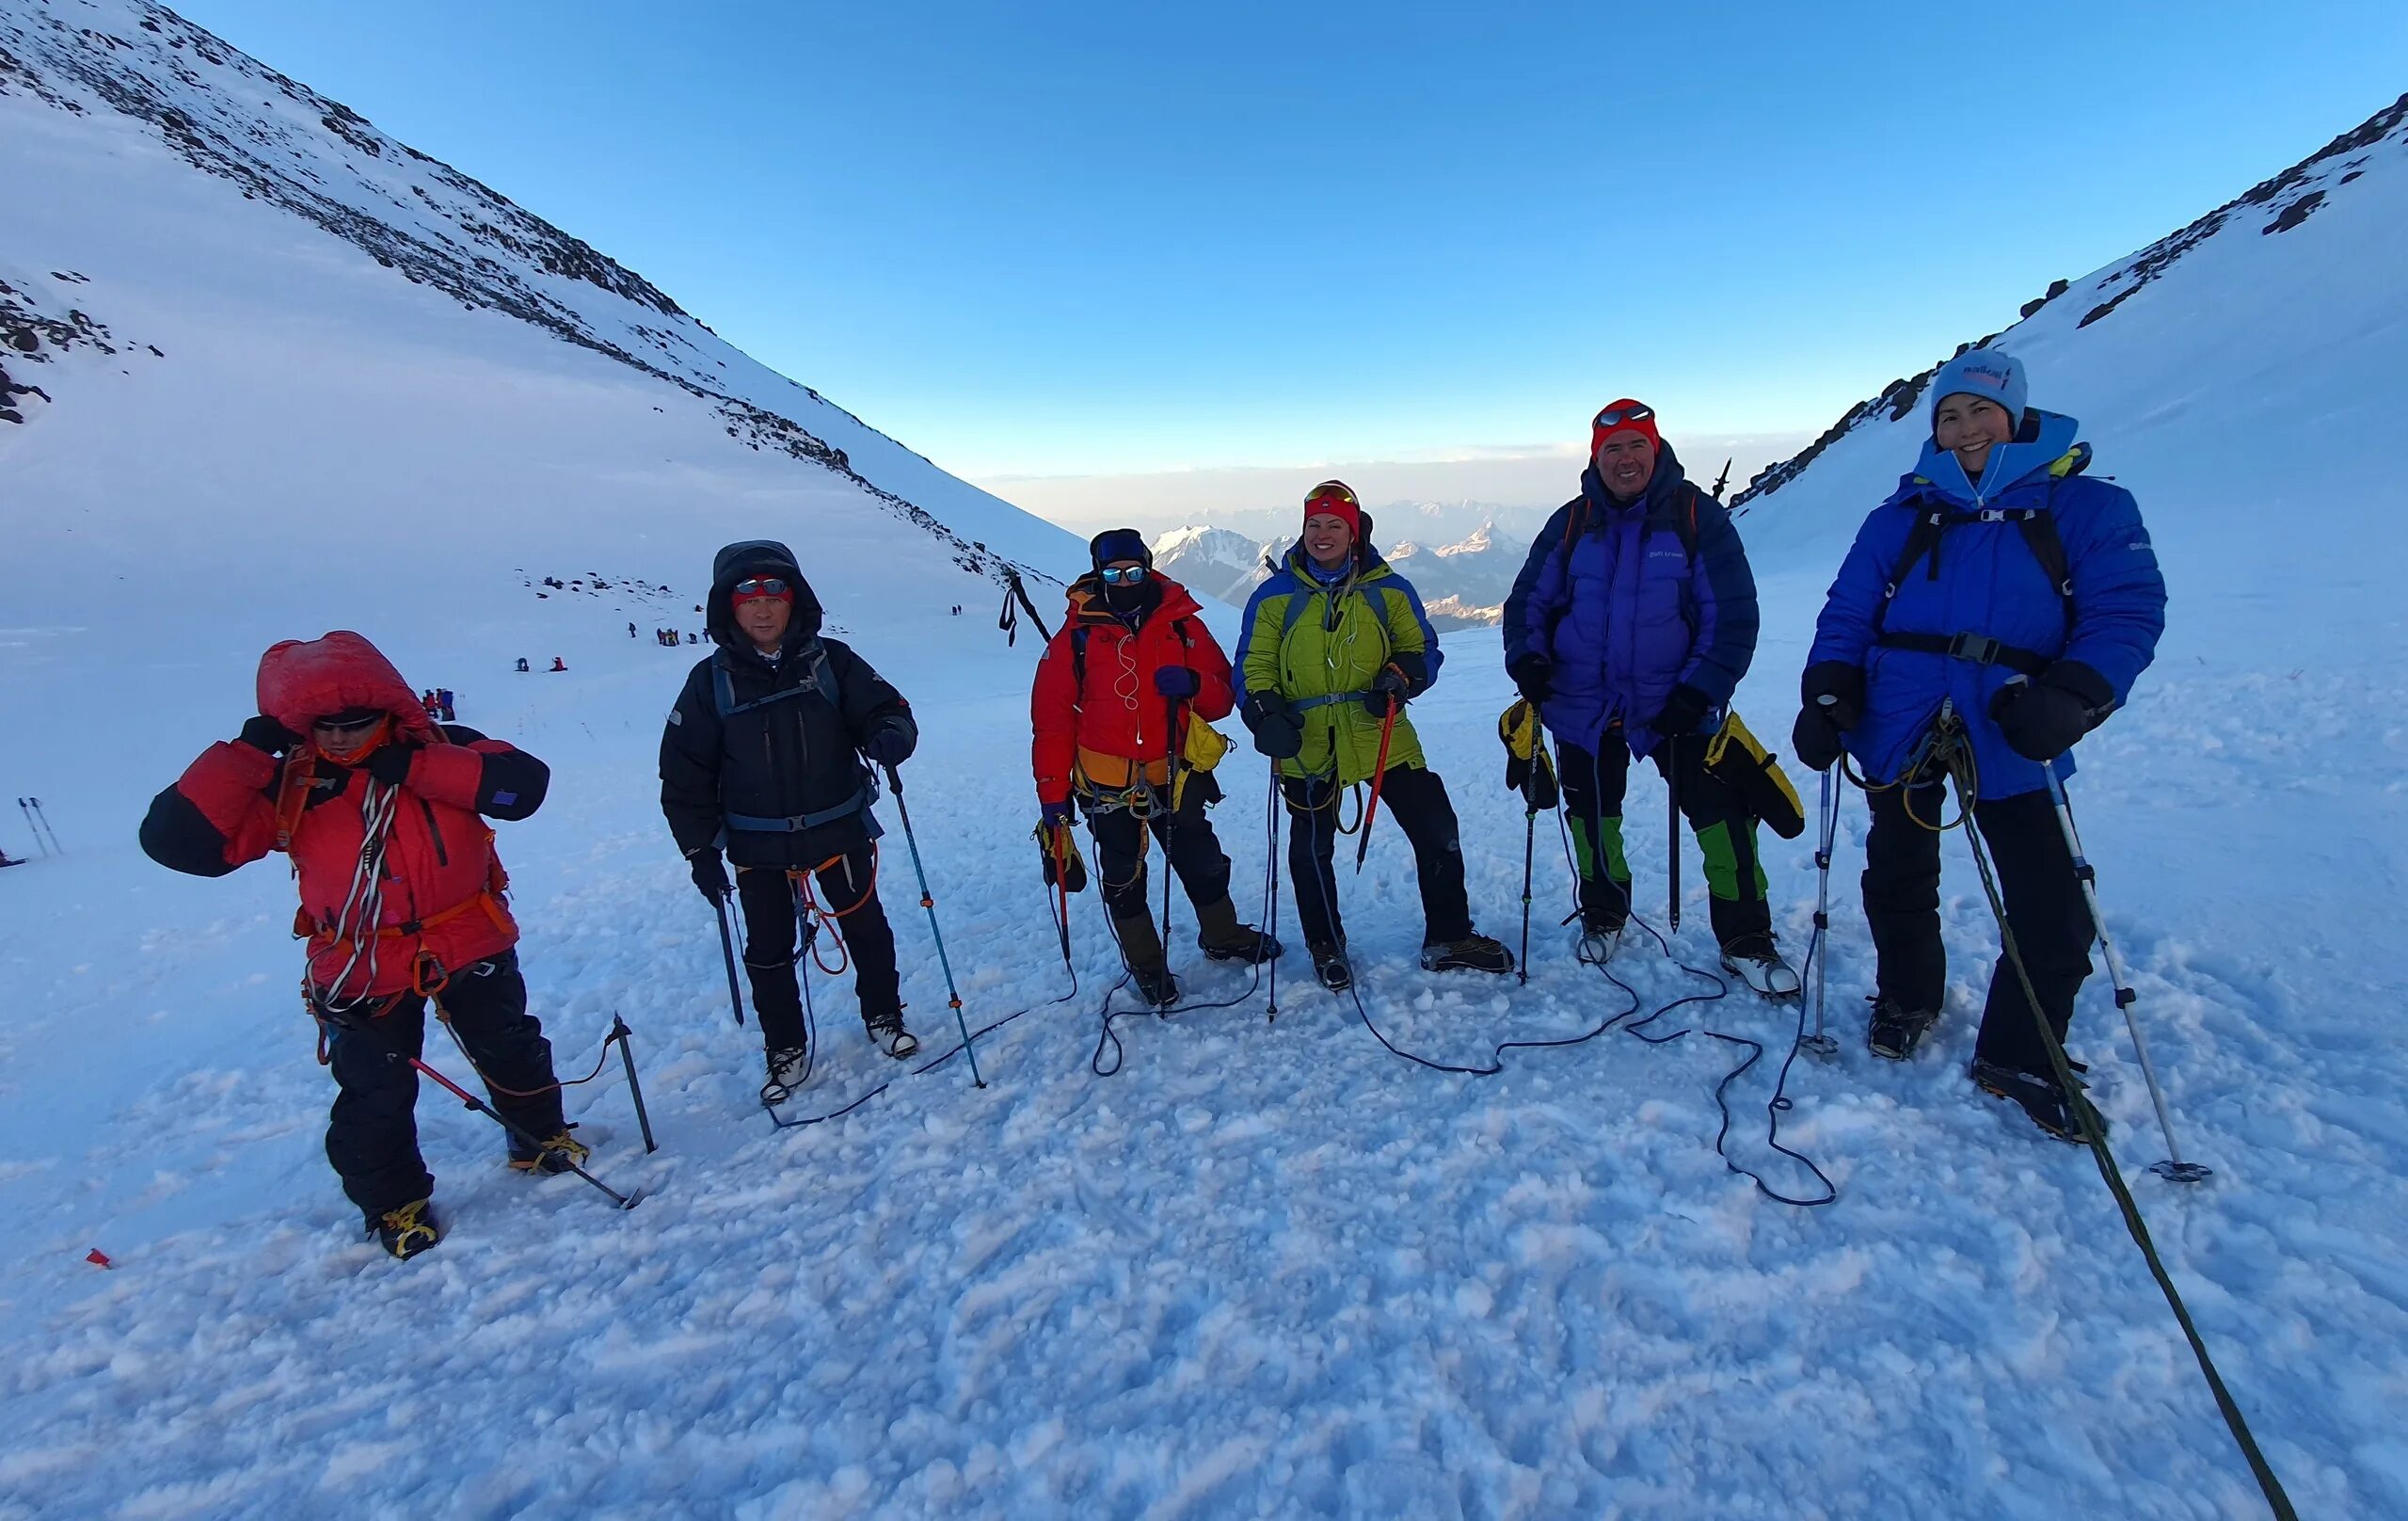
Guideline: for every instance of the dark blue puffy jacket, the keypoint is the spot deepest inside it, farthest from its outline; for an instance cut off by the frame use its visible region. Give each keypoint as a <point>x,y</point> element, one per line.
<point>1615,598</point>
<point>1986,580</point>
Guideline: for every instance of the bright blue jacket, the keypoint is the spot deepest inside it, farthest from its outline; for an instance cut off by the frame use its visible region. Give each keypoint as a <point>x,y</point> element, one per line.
<point>1985,580</point>
<point>1614,596</point>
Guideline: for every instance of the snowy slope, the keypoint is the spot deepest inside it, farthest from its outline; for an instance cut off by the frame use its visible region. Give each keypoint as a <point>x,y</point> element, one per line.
<point>1269,1269</point>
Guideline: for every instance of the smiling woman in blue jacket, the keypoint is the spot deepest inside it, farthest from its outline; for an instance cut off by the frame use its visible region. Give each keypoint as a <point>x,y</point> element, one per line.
<point>2001,585</point>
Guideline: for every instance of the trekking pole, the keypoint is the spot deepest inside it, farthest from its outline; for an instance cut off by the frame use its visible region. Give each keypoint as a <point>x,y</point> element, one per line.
<point>1672,847</point>
<point>44,819</point>
<point>727,950</point>
<point>1271,914</point>
<point>635,1090</point>
<point>1379,775</point>
<point>927,901</point>
<point>1170,756</point>
<point>1820,1044</point>
<point>2173,1169</point>
<point>1529,844</point>
<point>350,1027</point>
<point>23,809</point>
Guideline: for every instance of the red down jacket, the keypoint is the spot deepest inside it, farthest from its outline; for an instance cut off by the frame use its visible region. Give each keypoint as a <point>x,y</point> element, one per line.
<point>442,902</point>
<point>1115,716</point>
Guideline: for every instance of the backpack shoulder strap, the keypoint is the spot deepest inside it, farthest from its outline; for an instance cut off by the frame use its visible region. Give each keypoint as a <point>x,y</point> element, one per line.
<point>1931,521</point>
<point>1078,664</point>
<point>2040,535</point>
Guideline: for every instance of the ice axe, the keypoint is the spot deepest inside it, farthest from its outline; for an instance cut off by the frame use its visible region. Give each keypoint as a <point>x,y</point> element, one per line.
<point>1379,775</point>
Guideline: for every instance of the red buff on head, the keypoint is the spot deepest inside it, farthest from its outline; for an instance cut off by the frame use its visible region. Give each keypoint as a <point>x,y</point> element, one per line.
<point>1335,498</point>
<point>1625,416</point>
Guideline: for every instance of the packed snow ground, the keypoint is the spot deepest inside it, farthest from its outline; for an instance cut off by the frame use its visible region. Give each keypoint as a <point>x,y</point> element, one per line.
<point>1269,1269</point>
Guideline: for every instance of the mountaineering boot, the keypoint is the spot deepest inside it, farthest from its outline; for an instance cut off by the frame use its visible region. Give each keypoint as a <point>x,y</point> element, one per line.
<point>1599,940</point>
<point>787,1067</point>
<point>1473,952</point>
<point>408,1230</point>
<point>1330,966</point>
<point>887,1033</point>
<point>1754,959</point>
<point>554,1156</point>
<point>1222,937</point>
<point>1142,952</point>
<point>1894,1030</point>
<point>1156,987</point>
<point>2045,1103</point>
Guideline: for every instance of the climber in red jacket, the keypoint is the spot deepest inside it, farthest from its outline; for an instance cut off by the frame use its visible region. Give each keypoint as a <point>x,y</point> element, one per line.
<point>383,814</point>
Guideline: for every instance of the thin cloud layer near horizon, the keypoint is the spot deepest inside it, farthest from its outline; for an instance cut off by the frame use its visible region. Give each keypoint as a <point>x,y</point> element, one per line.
<point>1094,242</point>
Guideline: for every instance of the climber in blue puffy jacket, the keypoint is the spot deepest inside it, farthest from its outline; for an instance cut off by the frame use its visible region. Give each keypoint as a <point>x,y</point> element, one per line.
<point>2002,585</point>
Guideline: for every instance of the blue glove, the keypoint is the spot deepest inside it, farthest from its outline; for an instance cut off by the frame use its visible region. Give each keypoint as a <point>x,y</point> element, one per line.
<point>1176,681</point>
<point>1064,814</point>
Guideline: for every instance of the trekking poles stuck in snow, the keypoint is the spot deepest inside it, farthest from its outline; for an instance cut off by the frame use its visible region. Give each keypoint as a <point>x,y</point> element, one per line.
<point>2173,1169</point>
<point>1820,1044</point>
<point>927,901</point>
<point>38,823</point>
<point>366,1030</point>
<point>1529,770</point>
<point>1673,844</point>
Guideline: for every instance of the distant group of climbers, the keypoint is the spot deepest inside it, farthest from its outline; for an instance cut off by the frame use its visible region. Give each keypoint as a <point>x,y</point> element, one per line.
<point>1998,606</point>
<point>437,701</point>
<point>667,638</point>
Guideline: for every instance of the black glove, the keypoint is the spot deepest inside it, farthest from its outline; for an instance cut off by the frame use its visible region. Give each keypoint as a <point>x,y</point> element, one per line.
<point>709,872</point>
<point>1176,681</point>
<point>265,734</point>
<point>2042,719</point>
<point>1842,684</point>
<point>1387,693</point>
<point>1536,676</point>
<point>1682,711</point>
<point>389,764</point>
<point>1815,738</point>
<point>1274,725</point>
<point>891,743</point>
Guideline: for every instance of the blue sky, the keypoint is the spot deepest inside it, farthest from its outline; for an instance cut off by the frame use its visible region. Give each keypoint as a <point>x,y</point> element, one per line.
<point>1056,240</point>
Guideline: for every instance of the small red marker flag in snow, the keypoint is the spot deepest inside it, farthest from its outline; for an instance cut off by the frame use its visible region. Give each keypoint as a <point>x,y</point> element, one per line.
<point>98,1258</point>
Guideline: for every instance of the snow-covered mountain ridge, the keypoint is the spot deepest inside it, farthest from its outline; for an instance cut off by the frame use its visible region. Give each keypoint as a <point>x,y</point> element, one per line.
<point>285,146</point>
<point>2272,207</point>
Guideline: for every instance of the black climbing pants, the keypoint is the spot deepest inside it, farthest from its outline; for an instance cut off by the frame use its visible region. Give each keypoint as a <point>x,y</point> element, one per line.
<point>1186,836</point>
<point>1415,799</point>
<point>846,885</point>
<point>371,1135</point>
<point>2044,903</point>
<point>1594,787</point>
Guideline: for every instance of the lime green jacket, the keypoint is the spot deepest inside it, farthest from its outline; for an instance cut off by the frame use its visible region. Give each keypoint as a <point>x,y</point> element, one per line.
<point>1309,643</point>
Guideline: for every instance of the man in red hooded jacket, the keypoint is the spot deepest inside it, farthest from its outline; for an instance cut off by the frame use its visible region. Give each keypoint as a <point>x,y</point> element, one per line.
<point>383,814</point>
<point>1134,663</point>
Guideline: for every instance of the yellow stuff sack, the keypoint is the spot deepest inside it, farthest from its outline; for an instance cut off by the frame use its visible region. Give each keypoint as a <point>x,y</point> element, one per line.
<point>1735,757</point>
<point>1202,751</point>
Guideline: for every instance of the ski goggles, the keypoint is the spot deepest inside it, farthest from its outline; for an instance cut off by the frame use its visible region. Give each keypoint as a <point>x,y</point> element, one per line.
<point>1335,498</point>
<point>752,586</point>
<point>1613,417</point>
<point>1127,575</point>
